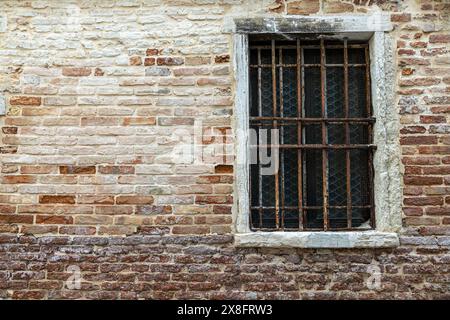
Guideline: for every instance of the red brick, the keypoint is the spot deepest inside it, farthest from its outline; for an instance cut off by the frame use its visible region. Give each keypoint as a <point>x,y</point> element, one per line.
<point>170,61</point>
<point>424,201</point>
<point>407,71</point>
<point>400,17</point>
<point>9,130</point>
<point>214,199</point>
<point>16,218</point>
<point>53,219</point>
<point>134,200</point>
<point>433,119</point>
<point>422,180</point>
<point>416,140</point>
<point>77,169</point>
<point>418,44</point>
<point>413,211</point>
<point>439,38</point>
<point>223,58</point>
<point>25,101</point>
<point>406,52</point>
<point>18,179</point>
<point>152,52</point>
<point>149,61</point>
<point>434,150</point>
<point>438,211</point>
<point>56,199</point>
<point>4,208</point>
<point>222,209</point>
<point>413,130</point>
<point>222,168</point>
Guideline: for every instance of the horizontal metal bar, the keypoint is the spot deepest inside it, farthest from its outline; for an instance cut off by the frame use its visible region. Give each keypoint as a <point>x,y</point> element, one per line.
<point>308,65</point>
<point>310,46</point>
<point>363,120</point>
<point>316,146</point>
<point>308,207</point>
<point>309,229</point>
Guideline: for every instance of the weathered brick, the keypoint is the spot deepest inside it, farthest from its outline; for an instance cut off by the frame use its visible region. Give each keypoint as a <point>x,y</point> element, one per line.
<point>134,200</point>
<point>139,121</point>
<point>57,199</point>
<point>331,6</point>
<point>416,140</point>
<point>116,169</point>
<point>76,72</point>
<point>303,7</point>
<point>135,61</point>
<point>9,130</point>
<point>52,219</point>
<point>25,101</point>
<point>152,52</point>
<point>169,61</point>
<point>17,179</point>
<point>422,180</point>
<point>439,38</point>
<point>77,169</point>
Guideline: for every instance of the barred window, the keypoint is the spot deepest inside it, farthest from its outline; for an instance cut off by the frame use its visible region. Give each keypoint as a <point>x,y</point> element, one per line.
<point>310,106</point>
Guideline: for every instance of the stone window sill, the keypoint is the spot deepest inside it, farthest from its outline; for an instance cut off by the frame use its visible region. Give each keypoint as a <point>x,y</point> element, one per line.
<point>356,239</point>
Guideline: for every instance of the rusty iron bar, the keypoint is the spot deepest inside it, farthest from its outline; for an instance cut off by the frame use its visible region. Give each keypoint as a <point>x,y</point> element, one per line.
<point>324,136</point>
<point>309,229</point>
<point>299,119</point>
<point>274,99</point>
<point>310,46</point>
<point>309,65</point>
<point>260,114</point>
<point>370,134</point>
<point>299,137</point>
<point>282,195</point>
<point>319,146</point>
<point>311,207</point>
<point>347,139</point>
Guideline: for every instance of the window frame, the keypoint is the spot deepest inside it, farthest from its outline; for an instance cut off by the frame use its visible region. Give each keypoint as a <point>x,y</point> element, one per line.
<point>386,159</point>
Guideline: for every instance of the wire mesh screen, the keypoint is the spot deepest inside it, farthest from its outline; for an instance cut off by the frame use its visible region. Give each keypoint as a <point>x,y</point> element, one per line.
<point>315,95</point>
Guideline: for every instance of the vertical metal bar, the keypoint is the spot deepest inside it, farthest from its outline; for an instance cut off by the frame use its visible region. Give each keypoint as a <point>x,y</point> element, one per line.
<point>282,195</point>
<point>274,99</point>
<point>370,136</point>
<point>347,139</point>
<point>324,136</point>
<point>299,137</point>
<point>257,150</point>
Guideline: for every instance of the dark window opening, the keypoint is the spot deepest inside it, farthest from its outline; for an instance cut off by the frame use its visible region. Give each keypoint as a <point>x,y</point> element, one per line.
<point>317,94</point>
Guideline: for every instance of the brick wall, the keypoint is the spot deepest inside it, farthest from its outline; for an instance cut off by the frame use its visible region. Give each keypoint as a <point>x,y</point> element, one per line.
<point>96,93</point>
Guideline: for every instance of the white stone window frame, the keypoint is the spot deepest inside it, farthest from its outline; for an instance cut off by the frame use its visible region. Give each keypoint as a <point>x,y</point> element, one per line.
<point>386,160</point>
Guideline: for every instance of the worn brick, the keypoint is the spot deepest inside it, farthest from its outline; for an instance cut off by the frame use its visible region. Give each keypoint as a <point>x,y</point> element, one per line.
<point>57,199</point>
<point>77,169</point>
<point>76,72</point>
<point>25,101</point>
<point>303,7</point>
